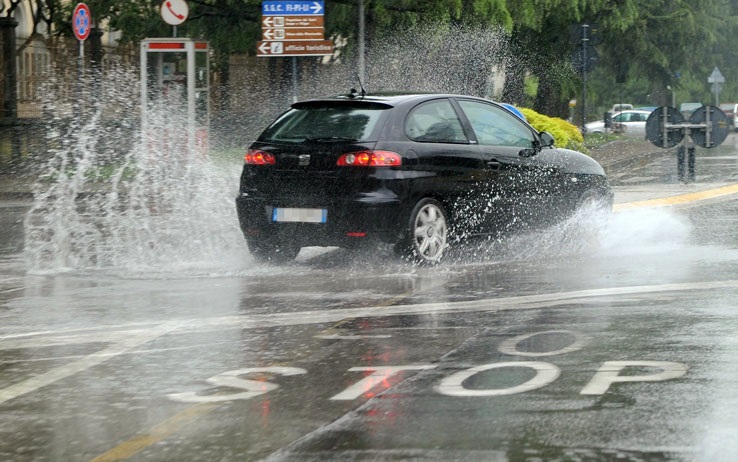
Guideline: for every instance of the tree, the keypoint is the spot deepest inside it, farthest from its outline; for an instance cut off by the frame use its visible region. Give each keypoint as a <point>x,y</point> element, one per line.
<point>641,40</point>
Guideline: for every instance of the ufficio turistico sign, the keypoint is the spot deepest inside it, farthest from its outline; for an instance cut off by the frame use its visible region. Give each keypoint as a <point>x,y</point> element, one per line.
<point>81,22</point>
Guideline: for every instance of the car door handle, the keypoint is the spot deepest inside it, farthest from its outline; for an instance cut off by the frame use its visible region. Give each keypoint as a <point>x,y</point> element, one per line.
<point>493,165</point>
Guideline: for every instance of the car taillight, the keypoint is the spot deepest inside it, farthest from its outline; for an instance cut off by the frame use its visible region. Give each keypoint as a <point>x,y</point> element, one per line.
<point>257,157</point>
<point>370,159</point>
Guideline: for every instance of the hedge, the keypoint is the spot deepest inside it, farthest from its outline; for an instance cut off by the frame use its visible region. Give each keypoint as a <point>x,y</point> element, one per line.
<point>566,134</point>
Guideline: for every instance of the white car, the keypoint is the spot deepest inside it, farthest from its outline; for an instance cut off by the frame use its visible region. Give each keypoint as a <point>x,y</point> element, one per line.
<point>631,123</point>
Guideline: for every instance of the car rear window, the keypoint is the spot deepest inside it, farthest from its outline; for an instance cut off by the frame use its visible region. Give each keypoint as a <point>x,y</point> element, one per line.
<point>327,121</point>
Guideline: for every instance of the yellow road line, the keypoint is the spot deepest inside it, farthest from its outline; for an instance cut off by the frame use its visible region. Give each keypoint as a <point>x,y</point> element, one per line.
<point>155,434</point>
<point>678,200</point>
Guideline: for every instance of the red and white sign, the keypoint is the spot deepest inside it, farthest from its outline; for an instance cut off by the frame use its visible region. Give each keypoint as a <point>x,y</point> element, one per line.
<point>174,12</point>
<point>81,22</point>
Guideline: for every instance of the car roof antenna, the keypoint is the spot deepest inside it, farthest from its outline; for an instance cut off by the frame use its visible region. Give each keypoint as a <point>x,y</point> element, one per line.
<point>353,91</point>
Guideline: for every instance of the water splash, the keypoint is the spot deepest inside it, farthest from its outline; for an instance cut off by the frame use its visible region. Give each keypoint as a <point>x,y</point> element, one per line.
<point>109,199</point>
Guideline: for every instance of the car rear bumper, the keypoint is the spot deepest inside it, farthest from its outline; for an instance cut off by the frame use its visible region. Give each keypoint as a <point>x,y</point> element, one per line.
<point>348,222</point>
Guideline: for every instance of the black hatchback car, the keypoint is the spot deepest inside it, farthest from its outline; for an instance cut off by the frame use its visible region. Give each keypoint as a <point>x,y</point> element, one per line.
<point>415,170</point>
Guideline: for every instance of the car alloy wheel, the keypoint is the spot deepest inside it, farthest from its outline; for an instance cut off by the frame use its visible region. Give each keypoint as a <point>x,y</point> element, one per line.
<point>428,233</point>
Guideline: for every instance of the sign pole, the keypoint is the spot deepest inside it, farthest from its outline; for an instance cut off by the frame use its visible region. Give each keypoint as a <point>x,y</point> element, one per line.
<point>294,80</point>
<point>584,77</point>
<point>81,24</point>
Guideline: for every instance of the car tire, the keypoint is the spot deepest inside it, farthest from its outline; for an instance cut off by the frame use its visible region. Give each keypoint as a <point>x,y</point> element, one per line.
<point>270,251</point>
<point>593,199</point>
<point>426,236</point>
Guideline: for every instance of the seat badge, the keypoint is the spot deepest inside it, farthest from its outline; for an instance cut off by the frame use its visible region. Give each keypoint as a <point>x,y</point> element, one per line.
<point>303,160</point>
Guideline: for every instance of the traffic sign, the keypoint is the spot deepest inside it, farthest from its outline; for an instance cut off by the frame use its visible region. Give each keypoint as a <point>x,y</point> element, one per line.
<point>662,129</point>
<point>293,33</point>
<point>716,76</point>
<point>174,12</point>
<point>714,132</point>
<point>81,22</point>
<point>294,8</point>
<point>268,22</point>
<point>293,28</point>
<point>294,48</point>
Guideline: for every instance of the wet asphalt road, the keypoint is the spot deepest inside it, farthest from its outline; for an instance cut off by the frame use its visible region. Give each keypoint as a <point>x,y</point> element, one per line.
<point>543,347</point>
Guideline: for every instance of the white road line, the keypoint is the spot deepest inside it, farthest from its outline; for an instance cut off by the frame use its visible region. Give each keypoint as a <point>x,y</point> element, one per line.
<point>186,326</point>
<point>10,291</point>
<point>59,373</point>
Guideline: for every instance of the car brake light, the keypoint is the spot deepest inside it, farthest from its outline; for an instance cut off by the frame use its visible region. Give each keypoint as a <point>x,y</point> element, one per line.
<point>257,157</point>
<point>370,159</point>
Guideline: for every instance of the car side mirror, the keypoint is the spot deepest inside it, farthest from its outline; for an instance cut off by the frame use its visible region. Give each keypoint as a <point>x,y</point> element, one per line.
<point>547,139</point>
<point>544,140</point>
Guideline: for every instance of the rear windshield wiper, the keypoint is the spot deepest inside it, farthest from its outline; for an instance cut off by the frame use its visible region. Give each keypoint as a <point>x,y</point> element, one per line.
<point>328,139</point>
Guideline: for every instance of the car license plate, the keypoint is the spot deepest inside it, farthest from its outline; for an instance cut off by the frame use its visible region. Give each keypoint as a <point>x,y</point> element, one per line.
<point>291,215</point>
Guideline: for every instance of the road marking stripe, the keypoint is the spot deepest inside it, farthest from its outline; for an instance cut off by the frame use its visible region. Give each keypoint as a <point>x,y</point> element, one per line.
<point>156,433</point>
<point>59,373</point>
<point>678,200</point>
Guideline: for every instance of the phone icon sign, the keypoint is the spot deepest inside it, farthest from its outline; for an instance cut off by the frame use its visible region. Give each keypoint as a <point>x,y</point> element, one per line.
<point>174,12</point>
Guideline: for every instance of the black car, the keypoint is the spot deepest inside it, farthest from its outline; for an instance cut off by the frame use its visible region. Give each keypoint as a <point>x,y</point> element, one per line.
<point>419,171</point>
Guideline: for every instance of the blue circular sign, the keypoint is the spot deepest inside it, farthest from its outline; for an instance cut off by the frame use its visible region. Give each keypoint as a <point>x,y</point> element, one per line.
<point>81,21</point>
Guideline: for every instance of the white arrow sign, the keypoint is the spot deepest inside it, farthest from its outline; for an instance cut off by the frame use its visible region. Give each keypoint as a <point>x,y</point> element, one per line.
<point>716,76</point>
<point>317,7</point>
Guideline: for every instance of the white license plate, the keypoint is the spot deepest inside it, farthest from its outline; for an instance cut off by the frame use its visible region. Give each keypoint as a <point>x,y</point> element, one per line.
<point>290,215</point>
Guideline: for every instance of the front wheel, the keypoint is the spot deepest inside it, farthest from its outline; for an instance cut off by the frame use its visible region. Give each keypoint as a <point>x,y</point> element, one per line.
<point>427,233</point>
<point>594,200</point>
<point>270,251</point>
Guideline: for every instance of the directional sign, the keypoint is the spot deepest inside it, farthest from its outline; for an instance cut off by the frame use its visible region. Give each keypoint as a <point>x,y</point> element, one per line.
<point>303,33</point>
<point>81,22</point>
<point>294,48</point>
<point>274,8</point>
<point>268,22</point>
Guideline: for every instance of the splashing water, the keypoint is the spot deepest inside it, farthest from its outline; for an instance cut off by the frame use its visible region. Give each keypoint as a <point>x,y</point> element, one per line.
<point>107,199</point>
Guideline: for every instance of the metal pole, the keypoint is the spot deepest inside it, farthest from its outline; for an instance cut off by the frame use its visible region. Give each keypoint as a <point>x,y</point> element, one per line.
<point>80,67</point>
<point>362,32</point>
<point>584,77</point>
<point>294,79</point>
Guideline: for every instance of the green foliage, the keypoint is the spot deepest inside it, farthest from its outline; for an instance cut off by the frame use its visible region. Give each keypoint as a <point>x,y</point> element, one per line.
<point>644,45</point>
<point>566,134</point>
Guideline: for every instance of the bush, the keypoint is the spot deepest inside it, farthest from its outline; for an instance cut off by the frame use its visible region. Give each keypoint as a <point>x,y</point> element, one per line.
<point>566,134</point>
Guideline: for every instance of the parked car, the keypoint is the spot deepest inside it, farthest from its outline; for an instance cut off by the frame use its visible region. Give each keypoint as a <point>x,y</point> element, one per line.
<point>688,108</point>
<point>620,107</point>
<point>729,110</point>
<point>419,171</point>
<point>631,123</point>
